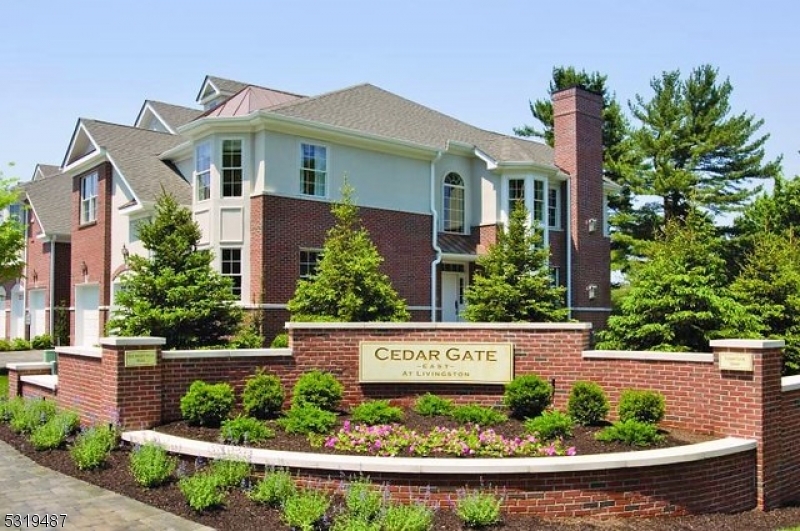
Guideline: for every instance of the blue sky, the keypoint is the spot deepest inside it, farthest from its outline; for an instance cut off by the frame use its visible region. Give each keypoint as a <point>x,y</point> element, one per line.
<point>480,62</point>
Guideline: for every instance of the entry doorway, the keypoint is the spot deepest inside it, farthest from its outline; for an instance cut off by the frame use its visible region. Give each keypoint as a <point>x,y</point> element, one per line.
<point>454,282</point>
<point>87,315</point>
<point>36,304</point>
<point>17,312</point>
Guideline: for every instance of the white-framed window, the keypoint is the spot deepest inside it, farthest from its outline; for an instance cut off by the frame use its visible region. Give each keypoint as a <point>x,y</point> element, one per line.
<point>554,206</point>
<point>313,169</point>
<point>16,212</point>
<point>539,201</point>
<point>202,171</point>
<point>133,228</point>
<point>516,193</point>
<point>555,276</point>
<point>606,229</point>
<point>309,261</point>
<point>231,267</point>
<point>231,168</point>
<point>89,198</point>
<point>454,203</point>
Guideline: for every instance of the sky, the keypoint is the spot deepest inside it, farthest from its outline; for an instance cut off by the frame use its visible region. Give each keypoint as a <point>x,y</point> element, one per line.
<point>480,62</point>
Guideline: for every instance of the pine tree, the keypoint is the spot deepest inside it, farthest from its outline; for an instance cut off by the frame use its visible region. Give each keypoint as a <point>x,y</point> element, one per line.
<point>348,285</point>
<point>174,292</point>
<point>513,282</point>
<point>12,236</point>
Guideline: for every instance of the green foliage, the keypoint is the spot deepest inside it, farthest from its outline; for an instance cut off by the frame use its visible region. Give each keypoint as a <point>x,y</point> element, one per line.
<point>12,232</point>
<point>151,465</point>
<point>550,425</point>
<point>348,285</point>
<point>42,342</point>
<point>641,405</point>
<point>5,345</point>
<point>229,473</point>
<point>513,281</point>
<point>347,522</point>
<point>430,405</point>
<point>274,489</point>
<point>280,341</point>
<point>174,292</point>
<point>303,510</point>
<point>263,395</point>
<point>527,396</point>
<point>476,414</point>
<point>376,412</point>
<point>362,500</point>
<point>587,403</point>
<point>413,517</point>
<point>32,414</point>
<point>478,509</point>
<point>307,420</point>
<point>20,344</point>
<point>92,447</point>
<point>11,408</point>
<point>202,491</point>
<point>53,433</point>
<point>679,299</point>
<point>61,324</point>
<point>632,432</point>
<point>248,336</point>
<point>245,430</point>
<point>319,389</point>
<point>207,404</point>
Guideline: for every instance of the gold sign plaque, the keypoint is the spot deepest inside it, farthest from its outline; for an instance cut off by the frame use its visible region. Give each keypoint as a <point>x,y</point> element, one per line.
<point>483,363</point>
<point>140,358</point>
<point>735,361</point>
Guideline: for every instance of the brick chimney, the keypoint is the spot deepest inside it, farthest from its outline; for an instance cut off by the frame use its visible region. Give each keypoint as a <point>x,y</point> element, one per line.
<point>578,132</point>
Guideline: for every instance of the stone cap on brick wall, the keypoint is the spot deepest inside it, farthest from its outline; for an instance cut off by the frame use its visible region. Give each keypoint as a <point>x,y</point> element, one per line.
<point>132,341</point>
<point>293,325</point>
<point>748,343</point>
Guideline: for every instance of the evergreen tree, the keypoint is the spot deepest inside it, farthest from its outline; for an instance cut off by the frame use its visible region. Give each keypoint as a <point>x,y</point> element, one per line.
<point>769,286</point>
<point>678,298</point>
<point>12,235</point>
<point>175,293</point>
<point>348,285</point>
<point>513,282</point>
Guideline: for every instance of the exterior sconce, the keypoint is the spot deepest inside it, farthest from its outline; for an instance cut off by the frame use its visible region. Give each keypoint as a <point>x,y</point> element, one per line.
<point>592,290</point>
<point>35,277</point>
<point>125,253</point>
<point>84,268</point>
<point>592,225</point>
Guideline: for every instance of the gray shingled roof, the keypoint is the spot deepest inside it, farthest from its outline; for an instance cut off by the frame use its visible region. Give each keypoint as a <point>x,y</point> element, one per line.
<point>175,115</point>
<point>227,85</point>
<point>135,152</point>
<point>372,110</point>
<point>46,170</point>
<point>48,197</point>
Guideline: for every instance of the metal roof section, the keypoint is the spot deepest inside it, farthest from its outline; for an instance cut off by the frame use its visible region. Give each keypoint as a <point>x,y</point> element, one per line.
<point>251,99</point>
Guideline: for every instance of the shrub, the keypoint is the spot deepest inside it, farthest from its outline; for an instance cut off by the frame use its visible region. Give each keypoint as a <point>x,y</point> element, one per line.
<point>230,473</point>
<point>10,408</point>
<point>42,342</point>
<point>303,510</point>
<point>246,337</point>
<point>348,522</point>
<point>475,414</point>
<point>587,403</point>
<point>20,344</point>
<point>31,414</point>
<point>478,509</point>
<point>430,405</point>
<point>5,345</point>
<point>362,500</point>
<point>202,492</point>
<point>414,517</point>
<point>276,487</point>
<point>319,389</point>
<point>263,395</point>
<point>644,406</point>
<point>550,425</point>
<point>527,396</point>
<point>307,420</point>
<point>92,447</point>
<point>633,432</point>
<point>55,431</point>
<point>280,341</point>
<point>244,430</point>
<point>207,404</point>
<point>151,466</point>
<point>376,412</point>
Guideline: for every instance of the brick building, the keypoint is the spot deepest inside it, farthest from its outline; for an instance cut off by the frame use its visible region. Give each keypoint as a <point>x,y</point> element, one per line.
<point>259,168</point>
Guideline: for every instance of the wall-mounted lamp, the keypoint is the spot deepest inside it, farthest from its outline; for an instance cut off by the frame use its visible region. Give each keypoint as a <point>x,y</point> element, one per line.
<point>592,225</point>
<point>125,253</point>
<point>592,290</point>
<point>35,277</point>
<point>84,268</point>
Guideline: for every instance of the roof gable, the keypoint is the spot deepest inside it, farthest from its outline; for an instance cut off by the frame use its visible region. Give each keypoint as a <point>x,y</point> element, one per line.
<point>214,87</point>
<point>80,145</point>
<point>164,117</point>
<point>46,197</point>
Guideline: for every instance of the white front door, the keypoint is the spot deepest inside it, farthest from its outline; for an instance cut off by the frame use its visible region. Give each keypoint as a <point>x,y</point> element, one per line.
<point>453,284</point>
<point>17,312</point>
<point>36,306</point>
<point>87,315</point>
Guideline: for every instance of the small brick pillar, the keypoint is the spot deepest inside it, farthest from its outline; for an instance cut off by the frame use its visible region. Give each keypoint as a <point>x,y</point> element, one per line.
<point>749,406</point>
<point>132,381</point>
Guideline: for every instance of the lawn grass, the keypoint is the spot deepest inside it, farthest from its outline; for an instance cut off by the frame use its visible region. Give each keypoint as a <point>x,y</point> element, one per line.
<point>3,385</point>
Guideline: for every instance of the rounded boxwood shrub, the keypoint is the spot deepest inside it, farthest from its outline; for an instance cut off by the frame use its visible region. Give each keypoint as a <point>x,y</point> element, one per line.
<point>263,396</point>
<point>206,404</point>
<point>280,341</point>
<point>317,389</point>
<point>550,425</point>
<point>430,405</point>
<point>527,396</point>
<point>632,432</point>
<point>376,412</point>
<point>587,404</point>
<point>245,430</point>
<point>307,420</point>
<point>640,405</point>
<point>477,414</point>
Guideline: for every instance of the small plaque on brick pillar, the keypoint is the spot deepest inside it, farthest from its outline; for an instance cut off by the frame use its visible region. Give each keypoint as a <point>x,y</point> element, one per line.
<point>736,361</point>
<point>140,358</point>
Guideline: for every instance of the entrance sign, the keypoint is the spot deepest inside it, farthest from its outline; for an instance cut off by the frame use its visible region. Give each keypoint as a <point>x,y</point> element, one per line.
<point>736,361</point>
<point>140,358</point>
<point>479,363</point>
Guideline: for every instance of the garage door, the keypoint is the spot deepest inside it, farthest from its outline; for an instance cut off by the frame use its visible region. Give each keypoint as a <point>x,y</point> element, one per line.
<point>87,315</point>
<point>17,312</point>
<point>36,303</point>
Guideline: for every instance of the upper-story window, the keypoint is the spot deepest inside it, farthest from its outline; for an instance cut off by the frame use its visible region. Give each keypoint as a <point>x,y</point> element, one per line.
<point>554,207</point>
<point>202,171</point>
<point>231,168</point>
<point>89,198</point>
<point>232,268</point>
<point>538,201</point>
<point>516,193</point>
<point>313,169</point>
<point>309,261</point>
<point>454,204</point>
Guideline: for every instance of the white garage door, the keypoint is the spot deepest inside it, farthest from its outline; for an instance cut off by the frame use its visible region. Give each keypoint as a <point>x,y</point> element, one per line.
<point>17,312</point>
<point>87,315</point>
<point>36,304</point>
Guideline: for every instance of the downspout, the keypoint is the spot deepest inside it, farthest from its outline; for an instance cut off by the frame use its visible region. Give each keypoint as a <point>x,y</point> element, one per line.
<point>434,236</point>
<point>51,324</point>
<point>569,246</point>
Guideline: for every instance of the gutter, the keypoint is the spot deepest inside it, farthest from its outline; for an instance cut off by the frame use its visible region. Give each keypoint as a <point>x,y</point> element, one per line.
<point>568,245</point>
<point>51,324</point>
<point>434,236</point>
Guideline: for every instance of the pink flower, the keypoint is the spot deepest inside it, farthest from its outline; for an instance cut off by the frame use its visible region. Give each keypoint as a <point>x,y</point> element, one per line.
<point>571,450</point>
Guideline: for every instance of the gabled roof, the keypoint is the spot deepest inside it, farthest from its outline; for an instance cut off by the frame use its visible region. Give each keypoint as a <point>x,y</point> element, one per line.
<point>47,197</point>
<point>169,115</point>
<point>216,86</point>
<point>251,99</point>
<point>43,171</point>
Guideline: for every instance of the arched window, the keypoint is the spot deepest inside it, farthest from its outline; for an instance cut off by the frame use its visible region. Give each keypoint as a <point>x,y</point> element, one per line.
<point>453,203</point>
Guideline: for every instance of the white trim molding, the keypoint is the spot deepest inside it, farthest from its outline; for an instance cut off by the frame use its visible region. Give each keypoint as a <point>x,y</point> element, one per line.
<point>293,325</point>
<point>757,344</point>
<point>649,355</point>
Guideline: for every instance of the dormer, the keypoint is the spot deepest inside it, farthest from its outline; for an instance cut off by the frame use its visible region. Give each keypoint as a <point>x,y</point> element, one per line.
<point>215,90</point>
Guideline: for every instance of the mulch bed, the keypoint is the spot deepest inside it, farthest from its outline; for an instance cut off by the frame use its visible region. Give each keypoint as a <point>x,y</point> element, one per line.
<point>241,514</point>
